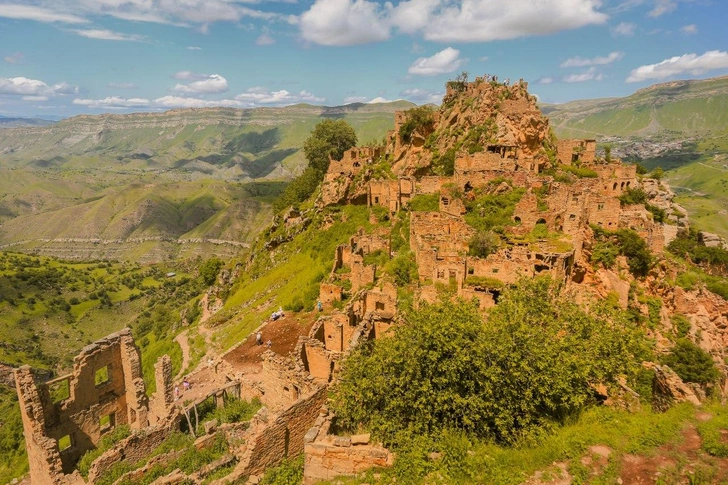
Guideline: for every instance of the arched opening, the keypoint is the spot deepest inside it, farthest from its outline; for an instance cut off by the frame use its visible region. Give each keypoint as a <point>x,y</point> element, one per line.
<point>541,221</point>
<point>468,187</point>
<point>517,220</point>
<point>622,186</point>
<point>615,186</point>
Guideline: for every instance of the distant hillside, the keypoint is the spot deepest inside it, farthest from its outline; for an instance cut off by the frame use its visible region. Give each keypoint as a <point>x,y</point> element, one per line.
<point>9,122</point>
<point>154,186</point>
<point>220,143</point>
<point>678,107</point>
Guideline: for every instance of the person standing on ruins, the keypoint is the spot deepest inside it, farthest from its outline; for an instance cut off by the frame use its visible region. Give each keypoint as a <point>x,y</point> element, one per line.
<point>259,338</point>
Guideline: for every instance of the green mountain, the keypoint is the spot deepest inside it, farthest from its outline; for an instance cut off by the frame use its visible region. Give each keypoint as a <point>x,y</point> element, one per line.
<point>154,186</point>
<point>673,108</point>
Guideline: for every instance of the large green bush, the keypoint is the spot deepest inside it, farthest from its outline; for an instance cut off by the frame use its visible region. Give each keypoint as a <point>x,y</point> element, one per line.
<point>691,363</point>
<point>445,368</point>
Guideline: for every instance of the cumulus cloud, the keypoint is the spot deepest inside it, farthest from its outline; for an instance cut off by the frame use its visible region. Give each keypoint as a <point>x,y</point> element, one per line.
<point>258,95</point>
<point>348,22</point>
<point>624,29</point>
<point>692,64</point>
<point>380,100</point>
<point>104,34</point>
<point>122,85</point>
<point>545,80</point>
<point>595,61</point>
<point>213,83</point>
<point>662,7</point>
<point>689,29</point>
<point>447,60</point>
<point>265,39</point>
<point>422,96</point>
<point>113,102</point>
<point>15,58</point>
<point>344,22</point>
<point>39,14</point>
<point>355,99</point>
<point>198,13</point>
<point>590,74</point>
<point>22,86</point>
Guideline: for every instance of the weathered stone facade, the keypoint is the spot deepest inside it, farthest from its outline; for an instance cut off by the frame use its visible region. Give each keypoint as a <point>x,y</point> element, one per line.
<point>65,417</point>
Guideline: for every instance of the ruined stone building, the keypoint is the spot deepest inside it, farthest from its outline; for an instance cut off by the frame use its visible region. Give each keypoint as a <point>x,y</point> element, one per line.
<point>67,416</point>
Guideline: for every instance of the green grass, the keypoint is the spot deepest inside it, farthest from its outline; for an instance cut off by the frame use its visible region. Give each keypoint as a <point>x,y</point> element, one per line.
<point>468,461</point>
<point>152,352</point>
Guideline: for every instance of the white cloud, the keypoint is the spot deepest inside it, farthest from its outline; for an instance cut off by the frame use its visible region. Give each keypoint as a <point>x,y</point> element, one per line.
<point>199,13</point>
<point>349,22</point>
<point>447,60</point>
<point>483,58</point>
<point>624,29</point>
<point>213,83</point>
<point>122,85</point>
<point>344,22</point>
<point>692,64</point>
<point>38,14</point>
<point>258,95</point>
<point>15,58</point>
<point>545,80</point>
<point>590,74</point>
<point>189,76</point>
<point>422,96</point>
<point>193,48</point>
<point>184,102</point>
<point>662,7</point>
<point>355,99</point>
<point>595,61</point>
<point>103,34</point>
<point>689,29</point>
<point>380,100</point>
<point>113,102</point>
<point>265,39</point>
<point>21,86</point>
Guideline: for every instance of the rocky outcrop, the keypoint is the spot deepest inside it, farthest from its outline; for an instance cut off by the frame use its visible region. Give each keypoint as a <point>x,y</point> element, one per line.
<point>668,388</point>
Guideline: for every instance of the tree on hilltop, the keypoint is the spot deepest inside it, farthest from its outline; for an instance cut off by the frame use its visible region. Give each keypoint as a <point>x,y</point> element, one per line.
<point>328,140</point>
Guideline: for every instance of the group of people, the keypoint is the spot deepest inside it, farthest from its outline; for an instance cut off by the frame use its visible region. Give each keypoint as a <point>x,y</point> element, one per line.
<point>185,384</point>
<point>277,314</point>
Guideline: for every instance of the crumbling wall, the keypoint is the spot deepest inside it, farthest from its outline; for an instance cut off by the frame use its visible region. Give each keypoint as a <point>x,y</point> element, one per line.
<point>105,390</point>
<point>576,151</point>
<point>163,398</point>
<point>331,457</point>
<point>283,437</point>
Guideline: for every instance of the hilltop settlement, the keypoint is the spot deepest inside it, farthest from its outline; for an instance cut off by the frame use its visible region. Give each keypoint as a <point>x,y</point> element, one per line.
<point>464,202</point>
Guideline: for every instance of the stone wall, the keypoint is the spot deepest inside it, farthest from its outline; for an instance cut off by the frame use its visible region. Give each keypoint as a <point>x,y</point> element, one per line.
<point>284,437</point>
<point>333,457</point>
<point>104,390</point>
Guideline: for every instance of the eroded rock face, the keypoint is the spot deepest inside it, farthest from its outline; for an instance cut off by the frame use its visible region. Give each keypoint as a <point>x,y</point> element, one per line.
<point>668,388</point>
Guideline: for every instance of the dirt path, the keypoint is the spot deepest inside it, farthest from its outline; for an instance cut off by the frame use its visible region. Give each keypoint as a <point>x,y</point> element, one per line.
<point>184,344</point>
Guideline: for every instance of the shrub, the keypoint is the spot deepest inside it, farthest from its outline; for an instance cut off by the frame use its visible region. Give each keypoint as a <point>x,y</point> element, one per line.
<point>632,197</point>
<point>289,472</point>
<point>420,119</point>
<point>483,243</point>
<point>691,363</point>
<point>425,203</point>
<point>403,268</point>
<point>605,254</point>
<point>581,172</point>
<point>682,325</point>
<point>444,164</point>
<point>445,368</point>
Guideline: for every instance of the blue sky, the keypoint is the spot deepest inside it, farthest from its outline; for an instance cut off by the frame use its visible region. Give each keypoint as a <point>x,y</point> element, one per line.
<point>66,57</point>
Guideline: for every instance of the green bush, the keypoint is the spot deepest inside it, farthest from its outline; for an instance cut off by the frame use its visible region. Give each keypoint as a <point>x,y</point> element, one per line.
<point>581,172</point>
<point>444,164</point>
<point>289,472</point>
<point>209,270</point>
<point>420,119</point>
<point>632,197</point>
<point>681,324</point>
<point>446,369</point>
<point>691,363</point>
<point>403,268</point>
<point>629,243</point>
<point>425,203</point>
<point>604,253</point>
<point>107,442</point>
<point>483,244</point>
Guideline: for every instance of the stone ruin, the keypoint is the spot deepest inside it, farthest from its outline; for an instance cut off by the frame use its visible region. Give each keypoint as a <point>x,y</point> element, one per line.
<point>67,416</point>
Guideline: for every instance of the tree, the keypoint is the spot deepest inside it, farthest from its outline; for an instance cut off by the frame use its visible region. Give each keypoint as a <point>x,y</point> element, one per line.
<point>691,363</point>
<point>209,270</point>
<point>328,140</point>
<point>533,362</point>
